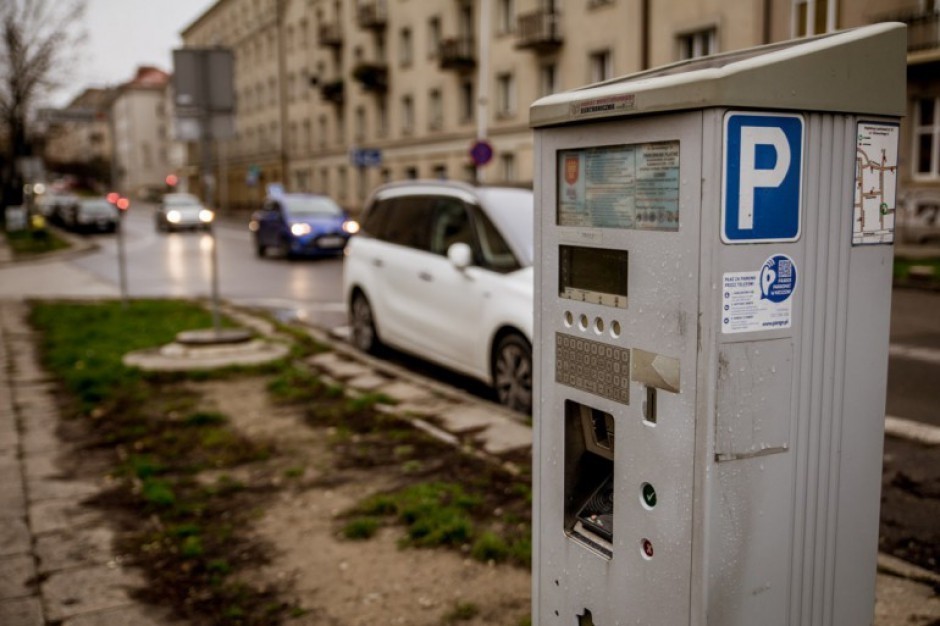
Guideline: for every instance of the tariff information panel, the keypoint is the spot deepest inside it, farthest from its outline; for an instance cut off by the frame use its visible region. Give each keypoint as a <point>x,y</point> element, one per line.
<point>633,186</point>
<point>592,366</point>
<point>876,183</point>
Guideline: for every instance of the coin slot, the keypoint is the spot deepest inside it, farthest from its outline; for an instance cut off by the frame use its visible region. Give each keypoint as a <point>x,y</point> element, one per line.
<point>649,406</point>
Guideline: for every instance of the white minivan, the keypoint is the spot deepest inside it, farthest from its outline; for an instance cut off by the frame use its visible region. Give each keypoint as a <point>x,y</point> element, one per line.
<point>443,270</point>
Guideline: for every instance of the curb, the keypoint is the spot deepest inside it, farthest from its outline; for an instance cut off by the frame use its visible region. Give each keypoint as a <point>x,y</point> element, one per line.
<point>79,246</point>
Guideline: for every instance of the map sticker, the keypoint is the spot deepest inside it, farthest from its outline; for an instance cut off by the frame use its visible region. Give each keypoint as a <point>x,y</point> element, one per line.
<point>876,183</point>
<point>761,300</point>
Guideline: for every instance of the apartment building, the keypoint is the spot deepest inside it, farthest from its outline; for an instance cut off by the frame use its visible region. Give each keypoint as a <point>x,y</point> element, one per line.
<point>139,116</point>
<point>337,96</point>
<point>80,139</point>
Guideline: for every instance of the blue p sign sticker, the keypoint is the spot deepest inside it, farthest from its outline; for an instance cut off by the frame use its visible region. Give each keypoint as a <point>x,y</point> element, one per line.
<point>762,177</point>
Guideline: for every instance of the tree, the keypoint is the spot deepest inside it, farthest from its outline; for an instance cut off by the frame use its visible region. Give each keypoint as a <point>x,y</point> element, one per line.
<point>36,39</point>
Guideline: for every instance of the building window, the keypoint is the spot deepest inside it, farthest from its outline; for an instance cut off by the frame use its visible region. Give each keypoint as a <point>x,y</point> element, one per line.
<point>927,138</point>
<point>321,131</point>
<point>507,167</point>
<point>548,79</point>
<point>470,173</point>
<point>435,110</point>
<point>434,36</point>
<point>362,183</point>
<point>324,181</point>
<point>407,115</point>
<point>341,192</point>
<point>600,66</point>
<point>700,43</point>
<point>382,115</point>
<point>466,101</point>
<point>292,139</point>
<point>505,16</point>
<point>411,173</point>
<point>340,127</point>
<point>272,92</point>
<point>440,172</point>
<point>308,137</point>
<point>505,94</point>
<point>405,45</point>
<point>360,123</point>
<point>813,17</point>
<point>291,88</point>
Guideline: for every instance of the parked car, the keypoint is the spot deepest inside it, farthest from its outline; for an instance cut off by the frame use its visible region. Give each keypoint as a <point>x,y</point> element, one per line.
<point>92,215</point>
<point>443,270</point>
<point>178,211</point>
<point>301,224</point>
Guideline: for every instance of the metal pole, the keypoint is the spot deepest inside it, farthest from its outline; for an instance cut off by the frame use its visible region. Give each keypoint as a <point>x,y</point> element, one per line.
<point>205,147</point>
<point>122,260</point>
<point>483,77</point>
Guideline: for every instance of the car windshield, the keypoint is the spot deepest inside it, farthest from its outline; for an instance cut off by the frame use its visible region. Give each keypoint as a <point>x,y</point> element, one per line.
<point>97,207</point>
<point>512,212</point>
<point>310,206</point>
<point>180,199</point>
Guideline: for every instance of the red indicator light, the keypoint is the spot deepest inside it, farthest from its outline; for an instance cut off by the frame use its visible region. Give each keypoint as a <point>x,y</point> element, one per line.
<point>123,203</point>
<point>113,197</point>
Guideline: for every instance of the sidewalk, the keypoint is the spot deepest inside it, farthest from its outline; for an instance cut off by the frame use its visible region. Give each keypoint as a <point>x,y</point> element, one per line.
<point>57,564</point>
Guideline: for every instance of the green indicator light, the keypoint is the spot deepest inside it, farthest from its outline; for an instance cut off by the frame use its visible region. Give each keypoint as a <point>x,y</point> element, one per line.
<point>649,495</point>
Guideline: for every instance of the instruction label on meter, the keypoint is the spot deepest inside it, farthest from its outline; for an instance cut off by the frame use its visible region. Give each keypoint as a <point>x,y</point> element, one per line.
<point>761,300</point>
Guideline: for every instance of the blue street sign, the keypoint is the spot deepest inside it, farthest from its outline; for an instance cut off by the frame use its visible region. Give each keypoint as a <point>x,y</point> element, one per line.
<point>481,152</point>
<point>366,157</point>
<point>762,177</point>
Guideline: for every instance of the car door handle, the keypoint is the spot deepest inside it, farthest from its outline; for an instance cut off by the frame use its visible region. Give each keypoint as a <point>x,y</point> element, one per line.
<point>425,276</point>
<point>378,262</point>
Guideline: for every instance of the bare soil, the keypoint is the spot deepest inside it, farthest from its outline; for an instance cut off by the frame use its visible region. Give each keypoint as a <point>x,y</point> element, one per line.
<point>337,581</point>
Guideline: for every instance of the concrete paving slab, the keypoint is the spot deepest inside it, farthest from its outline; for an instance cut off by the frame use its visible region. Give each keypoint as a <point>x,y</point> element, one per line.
<point>345,369</point>
<point>38,440</point>
<point>21,612</point>
<point>367,382</point>
<point>12,498</point>
<point>405,392</point>
<point>56,515</point>
<point>326,360</point>
<point>464,418</point>
<point>46,489</point>
<point>430,407</point>
<point>74,592</point>
<point>136,615</point>
<point>892,592</point>
<point>74,548</point>
<point>14,537</point>
<point>17,574</point>
<point>39,465</point>
<point>506,437</point>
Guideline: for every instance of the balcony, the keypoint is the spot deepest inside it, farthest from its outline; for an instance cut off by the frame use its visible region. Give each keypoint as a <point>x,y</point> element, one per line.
<point>457,53</point>
<point>330,35</point>
<point>540,31</point>
<point>333,91</point>
<point>372,76</point>
<point>372,15</point>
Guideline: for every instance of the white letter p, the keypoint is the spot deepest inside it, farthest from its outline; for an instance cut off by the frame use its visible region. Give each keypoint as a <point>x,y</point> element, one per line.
<point>751,178</point>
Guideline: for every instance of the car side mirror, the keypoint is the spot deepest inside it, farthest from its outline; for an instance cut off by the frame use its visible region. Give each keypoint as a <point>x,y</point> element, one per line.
<point>460,255</point>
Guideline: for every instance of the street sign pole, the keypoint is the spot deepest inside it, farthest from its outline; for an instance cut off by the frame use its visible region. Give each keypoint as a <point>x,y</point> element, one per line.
<point>205,149</point>
<point>122,260</point>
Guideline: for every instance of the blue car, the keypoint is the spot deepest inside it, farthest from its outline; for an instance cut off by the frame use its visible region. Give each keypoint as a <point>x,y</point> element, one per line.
<point>301,224</point>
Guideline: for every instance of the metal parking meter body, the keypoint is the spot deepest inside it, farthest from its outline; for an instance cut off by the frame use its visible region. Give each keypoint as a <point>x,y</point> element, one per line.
<point>713,285</point>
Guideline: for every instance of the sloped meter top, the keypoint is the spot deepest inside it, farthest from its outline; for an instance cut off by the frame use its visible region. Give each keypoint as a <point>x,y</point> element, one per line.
<point>857,71</point>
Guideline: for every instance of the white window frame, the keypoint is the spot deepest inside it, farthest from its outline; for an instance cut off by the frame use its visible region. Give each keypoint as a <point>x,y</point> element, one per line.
<point>405,47</point>
<point>810,25</point>
<point>548,73</point>
<point>698,38</point>
<point>407,115</point>
<point>505,17</point>
<point>933,131</point>
<point>435,109</point>
<point>507,167</point>
<point>600,65</point>
<point>505,94</point>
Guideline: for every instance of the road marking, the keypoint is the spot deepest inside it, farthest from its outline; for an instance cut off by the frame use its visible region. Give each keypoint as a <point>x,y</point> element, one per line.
<point>917,353</point>
<point>912,431</point>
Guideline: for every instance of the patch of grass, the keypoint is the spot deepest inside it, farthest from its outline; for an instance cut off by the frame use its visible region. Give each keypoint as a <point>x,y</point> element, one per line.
<point>294,385</point>
<point>917,271</point>
<point>489,547</point>
<point>462,612</point>
<point>158,493</point>
<point>294,472</point>
<point>205,418</point>
<point>27,243</point>
<point>361,528</point>
<point>191,547</point>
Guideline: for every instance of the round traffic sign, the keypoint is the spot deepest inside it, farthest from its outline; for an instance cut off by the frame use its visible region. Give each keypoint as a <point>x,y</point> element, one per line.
<point>481,152</point>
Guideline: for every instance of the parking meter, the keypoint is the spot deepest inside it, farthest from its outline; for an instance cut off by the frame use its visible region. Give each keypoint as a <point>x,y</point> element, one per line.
<point>713,283</point>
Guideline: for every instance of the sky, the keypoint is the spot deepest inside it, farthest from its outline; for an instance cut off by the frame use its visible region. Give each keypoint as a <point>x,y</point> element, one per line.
<point>120,35</point>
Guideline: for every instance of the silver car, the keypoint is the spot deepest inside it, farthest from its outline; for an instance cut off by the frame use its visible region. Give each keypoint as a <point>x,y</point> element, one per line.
<point>180,211</point>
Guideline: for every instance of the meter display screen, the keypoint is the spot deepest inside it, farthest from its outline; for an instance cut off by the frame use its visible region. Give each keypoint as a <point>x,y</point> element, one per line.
<point>595,275</point>
<point>631,186</point>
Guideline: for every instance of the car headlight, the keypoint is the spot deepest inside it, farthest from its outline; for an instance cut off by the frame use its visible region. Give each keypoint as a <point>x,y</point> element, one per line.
<point>253,226</point>
<point>173,216</point>
<point>206,216</point>
<point>299,230</point>
<point>351,226</point>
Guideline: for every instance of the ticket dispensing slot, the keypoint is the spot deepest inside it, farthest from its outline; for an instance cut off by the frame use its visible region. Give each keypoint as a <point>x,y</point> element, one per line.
<point>589,477</point>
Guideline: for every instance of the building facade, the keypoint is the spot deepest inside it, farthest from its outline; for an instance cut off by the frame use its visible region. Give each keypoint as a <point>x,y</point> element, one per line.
<point>337,96</point>
<point>140,122</point>
<point>82,135</point>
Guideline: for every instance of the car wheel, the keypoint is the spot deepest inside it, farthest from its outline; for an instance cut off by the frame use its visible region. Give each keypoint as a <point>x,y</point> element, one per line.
<point>362,321</point>
<point>512,372</point>
<point>260,248</point>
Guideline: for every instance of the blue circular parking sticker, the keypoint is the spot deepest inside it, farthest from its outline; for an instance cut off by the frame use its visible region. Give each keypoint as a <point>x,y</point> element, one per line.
<point>777,278</point>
